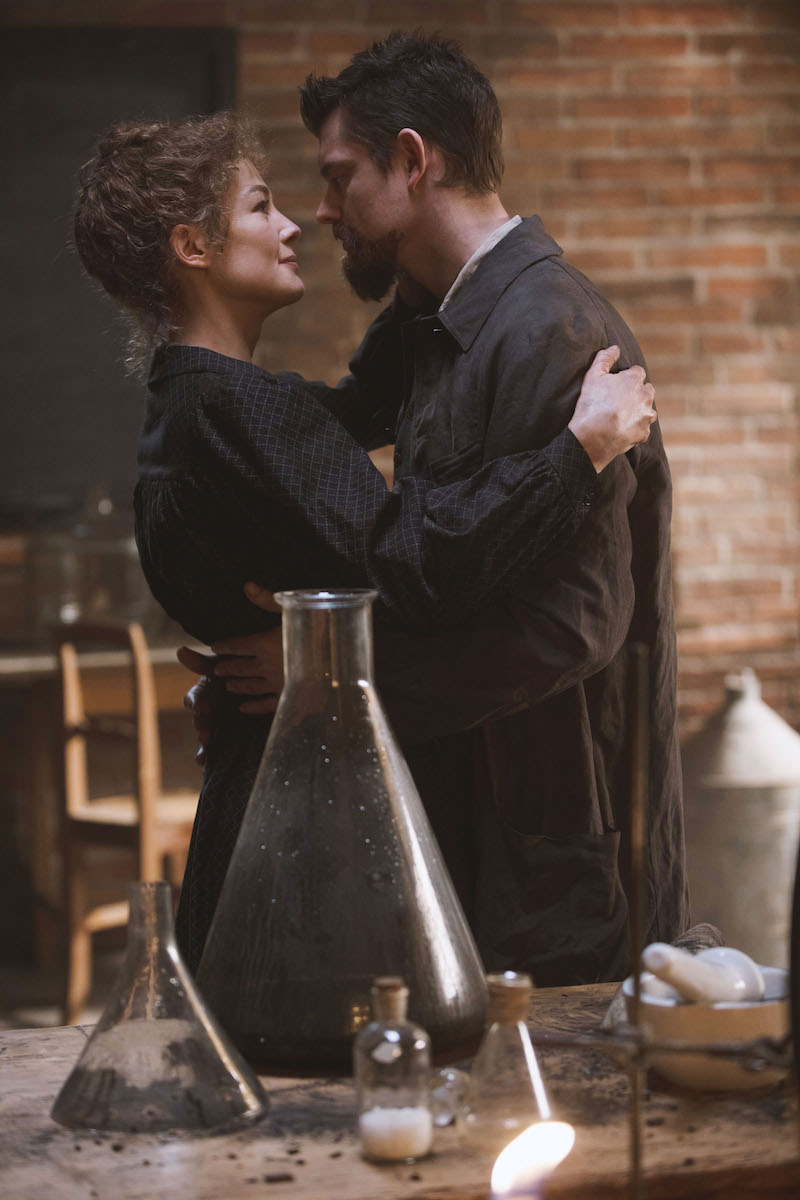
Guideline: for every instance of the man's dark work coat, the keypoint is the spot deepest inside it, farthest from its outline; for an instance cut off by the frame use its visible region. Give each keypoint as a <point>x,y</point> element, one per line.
<point>528,785</point>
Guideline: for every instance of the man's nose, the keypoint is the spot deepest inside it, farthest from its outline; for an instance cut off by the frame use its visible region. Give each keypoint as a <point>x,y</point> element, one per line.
<point>327,212</point>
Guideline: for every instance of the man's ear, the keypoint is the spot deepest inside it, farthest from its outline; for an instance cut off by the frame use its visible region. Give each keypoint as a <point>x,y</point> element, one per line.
<point>190,246</point>
<point>413,156</point>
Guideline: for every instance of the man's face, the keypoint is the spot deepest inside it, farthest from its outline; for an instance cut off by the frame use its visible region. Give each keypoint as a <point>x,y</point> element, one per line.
<point>366,208</point>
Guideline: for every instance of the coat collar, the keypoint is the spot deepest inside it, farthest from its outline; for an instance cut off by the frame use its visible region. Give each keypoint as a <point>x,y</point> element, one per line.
<point>176,359</point>
<point>470,308</point>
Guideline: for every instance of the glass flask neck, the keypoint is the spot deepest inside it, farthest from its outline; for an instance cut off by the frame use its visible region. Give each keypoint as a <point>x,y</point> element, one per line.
<point>150,921</point>
<point>327,636</point>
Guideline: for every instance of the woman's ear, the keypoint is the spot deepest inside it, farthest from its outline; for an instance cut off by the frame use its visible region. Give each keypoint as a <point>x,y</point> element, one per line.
<point>412,153</point>
<point>190,246</point>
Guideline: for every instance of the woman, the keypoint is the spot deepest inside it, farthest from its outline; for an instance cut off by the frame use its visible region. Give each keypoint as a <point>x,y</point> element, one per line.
<point>247,475</point>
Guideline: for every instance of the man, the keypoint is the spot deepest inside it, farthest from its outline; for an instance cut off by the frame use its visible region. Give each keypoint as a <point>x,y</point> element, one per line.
<point>516,730</point>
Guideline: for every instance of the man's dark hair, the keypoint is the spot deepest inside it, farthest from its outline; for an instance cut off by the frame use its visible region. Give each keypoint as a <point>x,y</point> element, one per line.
<point>422,83</point>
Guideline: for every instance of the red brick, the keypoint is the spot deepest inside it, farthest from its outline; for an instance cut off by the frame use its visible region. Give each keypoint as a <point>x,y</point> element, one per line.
<point>749,45</point>
<point>698,14</point>
<point>760,220</point>
<point>716,312</point>
<point>256,73</point>
<point>671,374</point>
<point>787,194</point>
<point>661,77</point>
<point>773,75</point>
<point>741,342</point>
<point>635,226</point>
<point>562,78</point>
<point>602,260</point>
<point>632,168</point>
<point>685,137</point>
<point>754,104</point>
<point>788,340</point>
<point>562,138</point>
<point>733,398</point>
<point>704,434</point>
<point>709,256</point>
<point>786,137</point>
<point>675,344</point>
<point>175,12</point>
<point>776,15</point>
<point>269,45</point>
<point>337,42</point>
<point>762,372</point>
<point>754,288</point>
<point>782,307</point>
<point>525,44</point>
<point>770,166</point>
<point>635,107</point>
<point>523,169</point>
<point>703,197</point>
<point>272,104</point>
<point>581,196</point>
<point>267,12</point>
<point>627,45</point>
<point>536,106</point>
<point>431,14</point>
<point>561,15</point>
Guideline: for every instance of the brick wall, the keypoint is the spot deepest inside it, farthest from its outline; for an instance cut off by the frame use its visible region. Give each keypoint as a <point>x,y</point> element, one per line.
<point>660,141</point>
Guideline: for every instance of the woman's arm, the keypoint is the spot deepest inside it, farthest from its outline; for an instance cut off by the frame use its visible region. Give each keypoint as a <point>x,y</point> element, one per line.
<point>320,515</point>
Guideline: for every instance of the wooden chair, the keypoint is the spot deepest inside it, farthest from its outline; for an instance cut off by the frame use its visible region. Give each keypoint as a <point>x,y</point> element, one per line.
<point>156,825</point>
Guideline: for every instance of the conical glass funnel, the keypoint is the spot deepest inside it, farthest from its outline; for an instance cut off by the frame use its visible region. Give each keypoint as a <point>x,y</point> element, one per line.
<point>157,1058</point>
<point>336,876</point>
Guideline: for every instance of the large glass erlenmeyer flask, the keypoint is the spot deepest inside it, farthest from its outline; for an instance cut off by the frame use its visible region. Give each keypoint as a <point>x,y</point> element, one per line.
<point>157,1059</point>
<point>336,876</point>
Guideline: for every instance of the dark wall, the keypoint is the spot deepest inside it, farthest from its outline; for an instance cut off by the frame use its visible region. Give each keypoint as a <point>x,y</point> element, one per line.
<point>69,415</point>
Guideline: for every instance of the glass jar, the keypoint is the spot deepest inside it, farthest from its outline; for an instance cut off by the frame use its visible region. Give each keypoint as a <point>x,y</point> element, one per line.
<point>157,1058</point>
<point>336,876</point>
<point>391,1064</point>
<point>505,1093</point>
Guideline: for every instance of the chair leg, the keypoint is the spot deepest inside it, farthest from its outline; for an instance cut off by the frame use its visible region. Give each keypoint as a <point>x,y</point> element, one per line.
<point>79,975</point>
<point>79,943</point>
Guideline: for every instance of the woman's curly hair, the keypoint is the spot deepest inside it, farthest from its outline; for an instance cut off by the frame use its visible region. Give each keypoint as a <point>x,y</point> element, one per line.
<point>146,178</point>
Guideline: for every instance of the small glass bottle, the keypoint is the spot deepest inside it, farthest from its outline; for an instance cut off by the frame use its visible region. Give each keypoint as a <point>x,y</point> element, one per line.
<point>391,1064</point>
<point>505,1093</point>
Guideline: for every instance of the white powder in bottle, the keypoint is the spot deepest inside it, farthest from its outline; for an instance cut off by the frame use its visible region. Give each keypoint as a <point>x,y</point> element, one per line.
<point>396,1133</point>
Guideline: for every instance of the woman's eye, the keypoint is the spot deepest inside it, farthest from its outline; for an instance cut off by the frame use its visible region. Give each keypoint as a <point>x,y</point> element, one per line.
<point>263,206</point>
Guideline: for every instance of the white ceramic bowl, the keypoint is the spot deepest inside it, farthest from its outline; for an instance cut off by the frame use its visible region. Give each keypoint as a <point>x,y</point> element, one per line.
<point>731,1021</point>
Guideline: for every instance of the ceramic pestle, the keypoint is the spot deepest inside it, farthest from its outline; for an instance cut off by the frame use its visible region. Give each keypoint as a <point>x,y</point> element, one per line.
<point>713,976</point>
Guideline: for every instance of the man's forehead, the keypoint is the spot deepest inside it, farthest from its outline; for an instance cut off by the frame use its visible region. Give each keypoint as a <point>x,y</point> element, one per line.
<point>336,145</point>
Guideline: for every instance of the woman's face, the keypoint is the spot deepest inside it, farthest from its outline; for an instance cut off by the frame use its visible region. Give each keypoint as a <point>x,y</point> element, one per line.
<point>256,264</point>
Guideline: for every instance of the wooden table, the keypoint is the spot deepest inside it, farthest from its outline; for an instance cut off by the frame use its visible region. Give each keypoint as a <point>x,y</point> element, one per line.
<point>714,1148</point>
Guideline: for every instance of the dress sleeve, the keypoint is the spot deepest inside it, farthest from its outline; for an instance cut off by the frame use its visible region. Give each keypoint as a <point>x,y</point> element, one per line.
<point>317,513</point>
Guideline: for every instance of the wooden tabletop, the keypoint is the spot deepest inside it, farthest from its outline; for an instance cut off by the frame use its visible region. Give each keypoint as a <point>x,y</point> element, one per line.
<point>695,1146</point>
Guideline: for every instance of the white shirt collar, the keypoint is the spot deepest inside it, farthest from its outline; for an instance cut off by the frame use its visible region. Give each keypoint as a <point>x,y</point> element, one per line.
<point>471,264</point>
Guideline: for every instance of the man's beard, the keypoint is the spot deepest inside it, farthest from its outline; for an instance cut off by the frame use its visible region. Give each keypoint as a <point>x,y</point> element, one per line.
<point>369,267</point>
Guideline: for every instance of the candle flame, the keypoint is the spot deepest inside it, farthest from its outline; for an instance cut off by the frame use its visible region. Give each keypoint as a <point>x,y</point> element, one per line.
<point>529,1159</point>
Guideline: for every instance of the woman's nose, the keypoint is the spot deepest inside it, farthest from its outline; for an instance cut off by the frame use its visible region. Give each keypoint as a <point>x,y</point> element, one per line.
<point>289,231</point>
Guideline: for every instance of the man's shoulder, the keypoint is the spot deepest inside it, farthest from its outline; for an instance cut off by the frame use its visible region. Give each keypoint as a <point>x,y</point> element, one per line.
<point>553,300</point>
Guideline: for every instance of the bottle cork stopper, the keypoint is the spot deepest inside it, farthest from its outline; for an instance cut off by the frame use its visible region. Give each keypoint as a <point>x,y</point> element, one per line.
<point>509,996</point>
<point>389,998</point>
